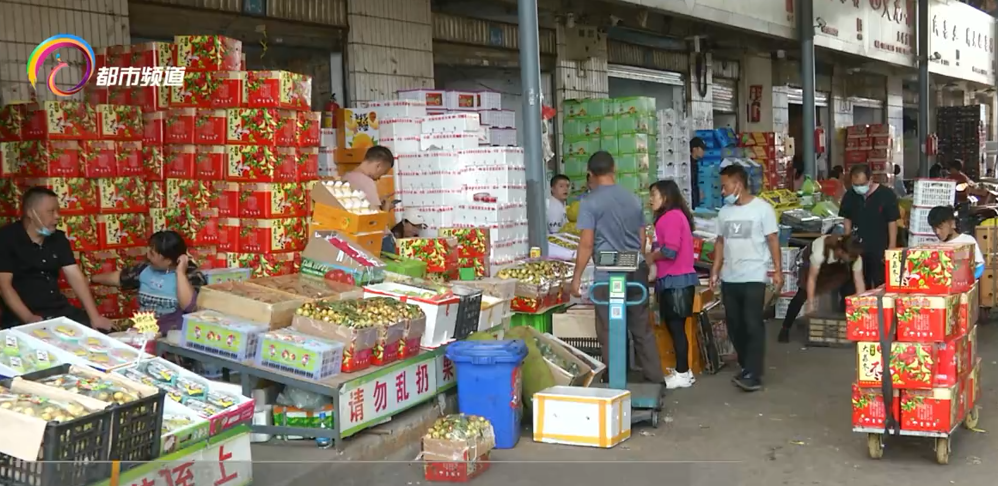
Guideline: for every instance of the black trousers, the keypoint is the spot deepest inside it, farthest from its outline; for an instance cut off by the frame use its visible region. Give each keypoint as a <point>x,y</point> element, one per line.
<point>645,346</point>
<point>743,310</point>
<point>874,269</point>
<point>675,322</point>
<point>9,320</point>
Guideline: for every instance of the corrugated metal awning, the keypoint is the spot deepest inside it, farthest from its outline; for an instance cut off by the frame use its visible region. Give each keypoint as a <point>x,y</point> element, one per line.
<point>647,75</point>
<point>795,96</point>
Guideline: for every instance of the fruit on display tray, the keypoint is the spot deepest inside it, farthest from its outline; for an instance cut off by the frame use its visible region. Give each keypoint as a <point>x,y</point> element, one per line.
<point>175,422</point>
<point>252,292</point>
<point>361,313</point>
<point>91,386</point>
<point>193,394</point>
<point>460,427</point>
<point>537,272</point>
<point>309,287</point>
<point>563,242</point>
<point>44,408</point>
<point>21,357</point>
<point>82,342</point>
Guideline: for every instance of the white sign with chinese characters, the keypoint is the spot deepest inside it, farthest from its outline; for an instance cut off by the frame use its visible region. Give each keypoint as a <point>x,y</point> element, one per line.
<point>228,463</point>
<point>962,44</point>
<point>877,29</point>
<point>147,76</point>
<point>385,393</point>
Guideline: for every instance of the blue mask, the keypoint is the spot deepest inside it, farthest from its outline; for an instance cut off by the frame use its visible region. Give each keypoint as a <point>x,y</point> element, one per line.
<point>730,199</point>
<point>861,190</point>
<point>42,230</point>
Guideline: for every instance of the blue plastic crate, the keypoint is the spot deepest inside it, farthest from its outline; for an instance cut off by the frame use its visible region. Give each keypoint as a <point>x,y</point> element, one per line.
<point>725,136</point>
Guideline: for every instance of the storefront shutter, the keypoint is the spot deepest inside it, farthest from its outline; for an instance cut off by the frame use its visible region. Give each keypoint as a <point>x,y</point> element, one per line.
<point>725,93</point>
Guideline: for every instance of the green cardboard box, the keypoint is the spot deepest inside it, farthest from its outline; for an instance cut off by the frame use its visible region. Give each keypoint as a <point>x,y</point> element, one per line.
<point>636,123</point>
<point>584,108</point>
<point>581,127</point>
<point>608,126</point>
<point>633,105</point>
<point>576,166</point>
<point>631,163</point>
<point>582,147</point>
<point>608,143</point>
<point>635,182</point>
<point>632,143</point>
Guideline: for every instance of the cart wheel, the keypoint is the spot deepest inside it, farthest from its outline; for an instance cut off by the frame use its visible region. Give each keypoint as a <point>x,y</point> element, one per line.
<point>942,450</point>
<point>875,442</point>
<point>654,418</point>
<point>971,421</point>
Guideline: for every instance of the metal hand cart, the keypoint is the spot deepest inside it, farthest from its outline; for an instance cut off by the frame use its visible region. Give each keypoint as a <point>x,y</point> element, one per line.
<point>875,437</point>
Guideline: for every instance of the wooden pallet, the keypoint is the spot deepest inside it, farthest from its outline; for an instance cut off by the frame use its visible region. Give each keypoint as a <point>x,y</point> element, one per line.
<point>827,332</point>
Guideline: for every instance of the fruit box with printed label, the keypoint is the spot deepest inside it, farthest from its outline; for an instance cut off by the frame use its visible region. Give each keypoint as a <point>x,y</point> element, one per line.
<point>202,227</point>
<point>81,231</point>
<point>210,162</point>
<point>152,127</point>
<point>277,89</point>
<point>251,126</point>
<point>276,200</point>
<point>153,159</point>
<point>195,92</point>
<point>334,257</point>
<point>329,213</point>
<point>938,269</point>
<point>228,235</point>
<point>227,200</point>
<point>286,132</point>
<point>60,120</point>
<point>266,264</point>
<point>862,323</point>
<point>249,163</point>
<point>98,262</point>
<point>309,123</point>
<point>358,129</point>
<point>926,318</point>
<point>207,53</point>
<point>119,123</point>
<point>228,89</point>
<point>59,158</point>
<point>150,99</point>
<point>308,164</point>
<point>76,195</point>
<point>471,242</point>
<point>171,218</point>
<point>210,126</point>
<point>935,410</point>
<point>272,235</point>
<point>122,195</point>
<point>286,168</point>
<point>123,230</point>
<point>99,158</point>
<point>969,309</point>
<point>207,257</point>
<point>178,126</point>
<point>868,408</point>
<point>128,159</point>
<point>972,388</point>
<point>10,198</point>
<point>439,254</point>
<point>12,120</point>
<point>912,365</point>
<point>182,193</point>
<point>156,194</point>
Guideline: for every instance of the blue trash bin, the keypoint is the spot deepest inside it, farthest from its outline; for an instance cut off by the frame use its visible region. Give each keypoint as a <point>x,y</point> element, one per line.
<point>489,384</point>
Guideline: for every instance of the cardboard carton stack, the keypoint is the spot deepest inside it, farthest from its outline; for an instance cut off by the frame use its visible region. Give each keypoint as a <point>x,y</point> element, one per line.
<point>337,207</point>
<point>498,126</point>
<point>873,145</point>
<point>962,134</point>
<point>673,146</point>
<point>931,317</point>
<point>987,241</point>
<point>774,151</point>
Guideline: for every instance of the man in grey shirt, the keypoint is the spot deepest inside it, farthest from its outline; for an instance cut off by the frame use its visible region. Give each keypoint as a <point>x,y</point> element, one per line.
<point>611,218</point>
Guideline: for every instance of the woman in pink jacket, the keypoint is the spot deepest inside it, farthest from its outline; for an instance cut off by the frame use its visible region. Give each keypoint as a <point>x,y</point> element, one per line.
<point>672,255</point>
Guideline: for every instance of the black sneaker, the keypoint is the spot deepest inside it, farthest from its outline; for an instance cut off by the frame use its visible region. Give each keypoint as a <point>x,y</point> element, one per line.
<point>748,383</point>
<point>737,376</point>
<point>784,336</point>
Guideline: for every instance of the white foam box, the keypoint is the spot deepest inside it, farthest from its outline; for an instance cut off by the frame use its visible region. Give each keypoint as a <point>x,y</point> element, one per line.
<point>918,221</point>
<point>492,156</point>
<point>434,217</point>
<point>494,175</point>
<point>916,239</point>
<point>327,138</point>
<point>487,214</point>
<point>400,127</point>
<point>790,283</point>
<point>934,192</point>
<point>434,98</point>
<point>440,309</point>
<point>421,197</point>
<point>483,137</point>
<point>460,100</point>
<point>788,254</point>
<point>782,303</point>
<point>401,145</point>
<point>387,110</point>
<point>502,137</point>
<point>498,118</point>
<point>454,123</point>
<point>448,141</point>
<point>503,193</point>
<point>488,100</point>
<point>572,415</point>
<point>416,162</point>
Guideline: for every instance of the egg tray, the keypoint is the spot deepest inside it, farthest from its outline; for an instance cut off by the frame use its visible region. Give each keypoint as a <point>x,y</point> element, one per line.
<point>135,426</point>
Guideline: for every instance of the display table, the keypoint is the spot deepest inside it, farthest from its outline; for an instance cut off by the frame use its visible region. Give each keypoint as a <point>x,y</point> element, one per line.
<point>361,400</point>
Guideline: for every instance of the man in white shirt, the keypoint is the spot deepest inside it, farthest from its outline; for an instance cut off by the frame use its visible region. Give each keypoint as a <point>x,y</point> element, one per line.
<point>942,219</point>
<point>747,241</point>
<point>557,217</point>
<point>378,161</point>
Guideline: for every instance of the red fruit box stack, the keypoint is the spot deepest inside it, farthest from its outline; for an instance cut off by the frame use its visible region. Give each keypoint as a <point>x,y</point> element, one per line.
<point>874,145</point>
<point>929,308</point>
<point>775,151</point>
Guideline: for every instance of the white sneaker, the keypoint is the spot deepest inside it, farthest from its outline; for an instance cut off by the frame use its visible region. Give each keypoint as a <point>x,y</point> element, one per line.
<point>680,380</point>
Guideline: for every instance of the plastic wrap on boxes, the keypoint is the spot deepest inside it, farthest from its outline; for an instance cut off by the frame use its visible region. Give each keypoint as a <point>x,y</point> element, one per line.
<point>300,354</point>
<point>214,333</point>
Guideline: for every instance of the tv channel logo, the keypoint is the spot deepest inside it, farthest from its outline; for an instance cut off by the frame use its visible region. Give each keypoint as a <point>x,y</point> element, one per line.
<point>106,76</point>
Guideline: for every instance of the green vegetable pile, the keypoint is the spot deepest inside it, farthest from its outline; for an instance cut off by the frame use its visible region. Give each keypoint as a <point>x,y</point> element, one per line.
<point>460,427</point>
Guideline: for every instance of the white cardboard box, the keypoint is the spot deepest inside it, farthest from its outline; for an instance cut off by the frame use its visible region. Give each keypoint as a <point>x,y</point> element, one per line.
<point>592,417</point>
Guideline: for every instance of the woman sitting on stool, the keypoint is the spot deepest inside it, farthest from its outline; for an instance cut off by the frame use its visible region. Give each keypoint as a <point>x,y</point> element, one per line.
<point>834,259</point>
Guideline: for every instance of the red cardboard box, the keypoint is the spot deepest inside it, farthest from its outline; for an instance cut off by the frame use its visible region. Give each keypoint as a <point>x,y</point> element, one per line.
<point>10,198</point>
<point>252,126</point>
<point>150,99</point>
<point>98,262</point>
<point>935,410</point>
<point>939,269</point>
<point>76,195</point>
<point>152,54</point>
<point>152,128</point>
<point>12,120</point>
<point>228,235</point>
<point>123,230</point>
<point>203,227</point>
<point>210,126</point>
<point>180,161</point>
<point>272,200</point>
<point>286,132</point>
<point>196,92</point>
<point>272,235</point>
<point>277,89</point>
<point>228,92</point>
<point>129,160</point>
<point>969,309</point>
<point>210,162</point>
<point>59,158</point>
<point>95,95</point>
<point>156,194</point>
<point>99,158</point>
<point>120,195</point>
<point>206,257</point>
<point>153,161</point>
<point>179,126</point>
<point>913,365</point>
<point>868,408</point>
<point>81,231</point>
<point>309,123</point>
<point>267,264</point>
<point>926,318</point>
<point>207,52</point>
<point>228,200</point>
<point>120,123</point>
<point>182,193</point>
<point>308,164</point>
<point>286,169</point>
<point>248,163</point>
<point>119,95</point>
<point>862,323</point>
<point>113,56</point>
<point>61,120</point>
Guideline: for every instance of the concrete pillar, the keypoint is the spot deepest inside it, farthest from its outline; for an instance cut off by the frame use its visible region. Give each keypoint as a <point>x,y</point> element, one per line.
<point>701,105</point>
<point>389,48</point>
<point>842,116</point>
<point>757,76</point>
<point>894,115</point>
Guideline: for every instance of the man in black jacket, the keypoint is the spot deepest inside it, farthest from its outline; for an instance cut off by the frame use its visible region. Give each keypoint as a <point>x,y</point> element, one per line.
<point>697,149</point>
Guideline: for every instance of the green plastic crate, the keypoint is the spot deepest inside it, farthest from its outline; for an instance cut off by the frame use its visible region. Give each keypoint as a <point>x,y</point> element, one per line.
<point>404,266</point>
<point>540,322</point>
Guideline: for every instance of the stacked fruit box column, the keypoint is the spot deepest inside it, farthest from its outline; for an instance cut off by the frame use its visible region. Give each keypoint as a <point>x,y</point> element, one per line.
<point>775,152</point>
<point>928,194</point>
<point>962,135</point>
<point>930,310</point>
<point>673,147</point>
<point>874,146</point>
<point>987,241</point>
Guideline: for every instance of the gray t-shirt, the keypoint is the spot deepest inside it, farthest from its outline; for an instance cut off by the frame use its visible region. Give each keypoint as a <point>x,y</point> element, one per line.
<point>615,216</point>
<point>744,229</point>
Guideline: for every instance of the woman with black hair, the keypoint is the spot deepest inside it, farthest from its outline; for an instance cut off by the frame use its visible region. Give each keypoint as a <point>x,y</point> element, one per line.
<point>672,255</point>
<point>167,282</point>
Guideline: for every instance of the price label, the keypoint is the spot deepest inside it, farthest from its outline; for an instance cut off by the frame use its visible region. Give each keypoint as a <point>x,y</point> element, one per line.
<point>15,363</point>
<point>43,356</point>
<point>11,342</point>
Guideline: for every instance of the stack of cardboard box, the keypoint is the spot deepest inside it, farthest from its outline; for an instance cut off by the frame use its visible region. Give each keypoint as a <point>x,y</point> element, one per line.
<point>873,145</point>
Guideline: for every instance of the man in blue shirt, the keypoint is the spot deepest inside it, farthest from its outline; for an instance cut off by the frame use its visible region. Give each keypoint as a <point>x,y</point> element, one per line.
<point>611,218</point>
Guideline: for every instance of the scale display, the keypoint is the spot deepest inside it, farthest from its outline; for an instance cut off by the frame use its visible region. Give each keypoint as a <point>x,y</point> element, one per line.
<point>620,261</point>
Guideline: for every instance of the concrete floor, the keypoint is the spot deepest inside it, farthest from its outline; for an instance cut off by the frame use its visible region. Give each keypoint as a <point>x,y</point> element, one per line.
<point>795,432</point>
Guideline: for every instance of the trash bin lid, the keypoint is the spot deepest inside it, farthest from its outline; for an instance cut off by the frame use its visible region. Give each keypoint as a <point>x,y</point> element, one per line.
<point>487,352</point>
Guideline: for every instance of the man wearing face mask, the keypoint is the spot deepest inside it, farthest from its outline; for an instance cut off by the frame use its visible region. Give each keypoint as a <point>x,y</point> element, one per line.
<point>32,253</point>
<point>871,211</point>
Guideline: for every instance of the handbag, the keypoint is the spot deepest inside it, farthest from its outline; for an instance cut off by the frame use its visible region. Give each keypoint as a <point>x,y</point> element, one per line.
<point>676,304</point>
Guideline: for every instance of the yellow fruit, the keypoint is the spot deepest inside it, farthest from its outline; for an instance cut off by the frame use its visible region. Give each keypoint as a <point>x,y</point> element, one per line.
<point>572,211</point>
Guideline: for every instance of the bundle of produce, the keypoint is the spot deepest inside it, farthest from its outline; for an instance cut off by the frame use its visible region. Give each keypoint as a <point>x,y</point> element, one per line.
<point>457,448</point>
<point>47,409</point>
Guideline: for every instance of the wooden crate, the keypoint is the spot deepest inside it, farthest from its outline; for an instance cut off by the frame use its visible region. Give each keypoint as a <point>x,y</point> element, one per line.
<point>827,331</point>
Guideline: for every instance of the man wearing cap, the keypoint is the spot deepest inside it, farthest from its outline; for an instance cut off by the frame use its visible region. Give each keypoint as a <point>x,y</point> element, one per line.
<point>407,228</point>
